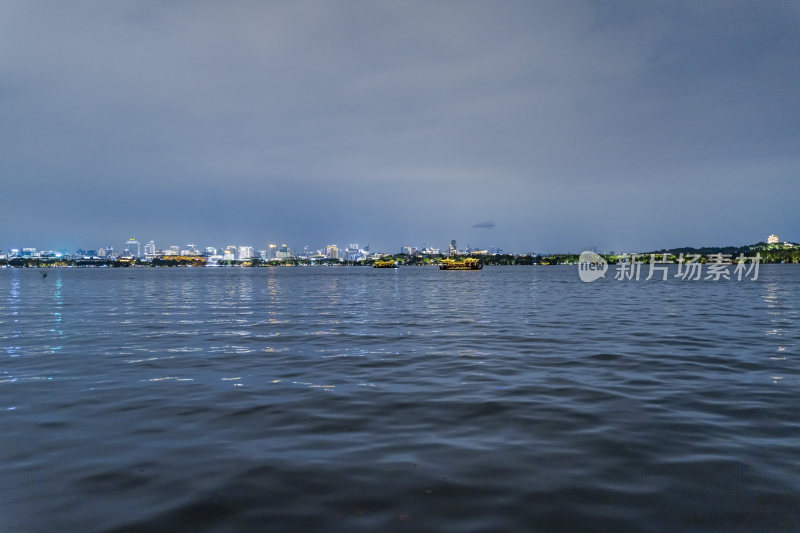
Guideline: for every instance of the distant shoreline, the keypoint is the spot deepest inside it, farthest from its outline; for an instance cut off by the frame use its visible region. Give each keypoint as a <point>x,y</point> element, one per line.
<point>419,265</point>
<point>768,253</point>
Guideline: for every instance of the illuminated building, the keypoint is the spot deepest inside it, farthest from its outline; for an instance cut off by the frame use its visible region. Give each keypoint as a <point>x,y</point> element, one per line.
<point>773,239</point>
<point>332,251</point>
<point>190,250</point>
<point>283,253</point>
<point>132,248</point>
<point>354,252</point>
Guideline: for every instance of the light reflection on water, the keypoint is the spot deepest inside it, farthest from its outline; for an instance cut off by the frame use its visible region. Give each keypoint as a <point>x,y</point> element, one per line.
<point>13,301</point>
<point>333,399</point>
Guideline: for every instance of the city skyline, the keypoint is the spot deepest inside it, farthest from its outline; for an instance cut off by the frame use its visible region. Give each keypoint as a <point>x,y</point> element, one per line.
<point>134,248</point>
<point>350,252</point>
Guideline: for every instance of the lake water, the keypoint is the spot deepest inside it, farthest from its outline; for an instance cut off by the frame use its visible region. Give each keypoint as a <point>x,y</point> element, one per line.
<point>357,399</point>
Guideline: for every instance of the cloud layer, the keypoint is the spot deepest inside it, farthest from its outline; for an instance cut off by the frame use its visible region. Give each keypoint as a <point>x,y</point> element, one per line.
<point>571,124</point>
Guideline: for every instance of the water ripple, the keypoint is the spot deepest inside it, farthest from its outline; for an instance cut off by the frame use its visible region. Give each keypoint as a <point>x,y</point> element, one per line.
<point>353,399</point>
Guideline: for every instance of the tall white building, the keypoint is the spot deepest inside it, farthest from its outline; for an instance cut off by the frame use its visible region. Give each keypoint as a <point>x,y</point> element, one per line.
<point>190,249</point>
<point>246,252</point>
<point>132,248</point>
<point>354,252</point>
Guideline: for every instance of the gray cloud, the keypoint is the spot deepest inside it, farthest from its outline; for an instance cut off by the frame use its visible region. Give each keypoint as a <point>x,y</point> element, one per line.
<point>618,123</point>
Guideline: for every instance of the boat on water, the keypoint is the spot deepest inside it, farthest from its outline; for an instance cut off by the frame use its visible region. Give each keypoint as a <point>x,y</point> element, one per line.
<point>385,264</point>
<point>466,264</point>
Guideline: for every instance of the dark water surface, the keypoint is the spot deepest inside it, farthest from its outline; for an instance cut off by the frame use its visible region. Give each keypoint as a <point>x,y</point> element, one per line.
<point>355,399</point>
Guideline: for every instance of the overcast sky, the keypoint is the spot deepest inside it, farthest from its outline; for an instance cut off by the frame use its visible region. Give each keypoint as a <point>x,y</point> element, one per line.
<point>568,124</point>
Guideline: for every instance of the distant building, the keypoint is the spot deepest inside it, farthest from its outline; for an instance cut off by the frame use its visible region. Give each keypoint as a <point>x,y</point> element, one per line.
<point>283,253</point>
<point>453,250</point>
<point>132,248</point>
<point>332,251</point>
<point>150,249</point>
<point>190,250</point>
<point>246,252</point>
<point>354,252</point>
<point>773,239</point>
